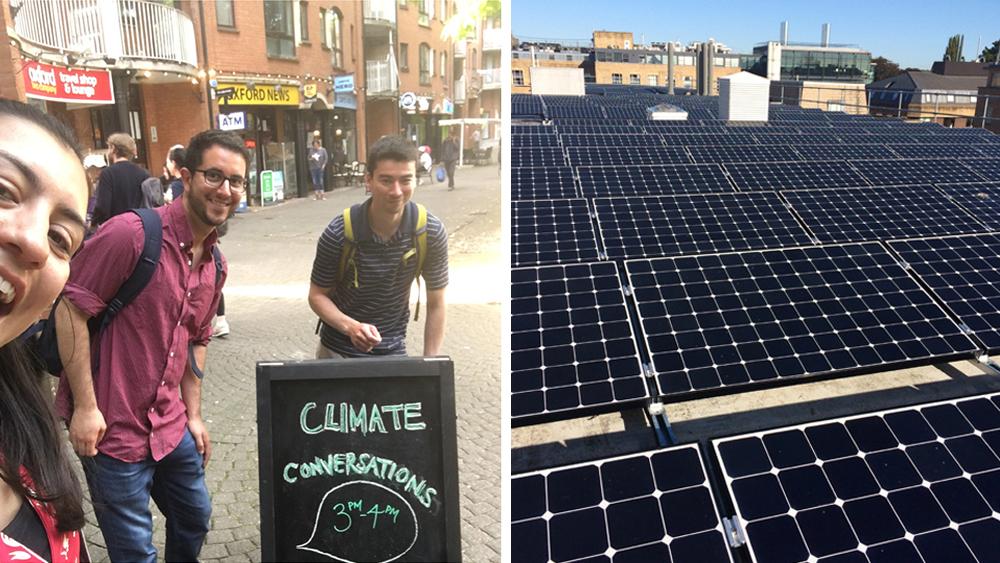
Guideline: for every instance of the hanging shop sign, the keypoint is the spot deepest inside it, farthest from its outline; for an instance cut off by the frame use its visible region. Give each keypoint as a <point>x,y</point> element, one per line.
<point>233,121</point>
<point>71,85</point>
<point>448,107</point>
<point>408,100</point>
<point>344,83</point>
<point>309,91</point>
<point>261,94</point>
<point>423,103</point>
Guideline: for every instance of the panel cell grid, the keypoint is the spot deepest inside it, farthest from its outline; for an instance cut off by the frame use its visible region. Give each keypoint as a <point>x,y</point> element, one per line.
<point>551,232</point>
<point>572,348</point>
<point>915,171</point>
<point>631,140</point>
<point>880,213</point>
<point>650,506</point>
<point>988,168</point>
<point>936,151</point>
<point>988,149</point>
<point>843,152</point>
<point>546,182</point>
<point>964,272</point>
<point>519,141</point>
<point>792,175</point>
<point>911,484</point>
<point>798,139</point>
<point>666,179</point>
<point>537,156</point>
<point>752,153</point>
<point>709,139</point>
<point>654,226</point>
<point>620,156</point>
<point>720,321</point>
<point>982,199</point>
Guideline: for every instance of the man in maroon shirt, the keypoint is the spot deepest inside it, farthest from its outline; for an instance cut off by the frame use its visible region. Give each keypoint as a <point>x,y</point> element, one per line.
<point>133,397</point>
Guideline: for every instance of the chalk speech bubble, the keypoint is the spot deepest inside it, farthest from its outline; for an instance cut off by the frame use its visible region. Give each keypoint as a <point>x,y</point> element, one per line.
<point>363,521</point>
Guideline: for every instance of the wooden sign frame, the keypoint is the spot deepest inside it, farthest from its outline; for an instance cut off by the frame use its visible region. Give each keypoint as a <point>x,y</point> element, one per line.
<point>438,368</point>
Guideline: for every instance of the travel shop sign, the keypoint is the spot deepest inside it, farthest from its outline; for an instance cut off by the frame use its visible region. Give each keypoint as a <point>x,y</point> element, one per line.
<point>236,94</point>
<point>60,84</point>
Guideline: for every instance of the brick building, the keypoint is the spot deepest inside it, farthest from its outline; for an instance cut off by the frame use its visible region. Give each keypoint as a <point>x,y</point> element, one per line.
<point>277,72</point>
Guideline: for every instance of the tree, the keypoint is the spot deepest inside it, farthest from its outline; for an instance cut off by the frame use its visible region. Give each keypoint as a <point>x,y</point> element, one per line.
<point>989,54</point>
<point>468,14</point>
<point>953,52</point>
<point>884,68</point>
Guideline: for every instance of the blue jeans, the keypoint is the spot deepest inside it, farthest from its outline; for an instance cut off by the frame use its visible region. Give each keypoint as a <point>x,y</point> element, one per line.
<point>317,178</point>
<point>120,492</point>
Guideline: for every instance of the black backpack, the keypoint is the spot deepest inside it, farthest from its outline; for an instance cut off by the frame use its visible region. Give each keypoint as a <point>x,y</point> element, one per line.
<point>41,339</point>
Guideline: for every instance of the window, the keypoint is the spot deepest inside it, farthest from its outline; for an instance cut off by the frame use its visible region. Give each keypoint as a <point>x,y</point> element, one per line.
<point>224,16</point>
<point>426,12</point>
<point>634,79</point>
<point>685,61</point>
<point>425,64</point>
<point>332,38</point>
<point>616,78</point>
<point>304,22</point>
<point>404,57</point>
<point>444,64</point>
<point>651,80</point>
<point>518,77</point>
<point>278,29</point>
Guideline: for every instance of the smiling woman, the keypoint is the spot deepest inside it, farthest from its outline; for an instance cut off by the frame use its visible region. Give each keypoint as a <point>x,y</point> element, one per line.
<point>43,193</point>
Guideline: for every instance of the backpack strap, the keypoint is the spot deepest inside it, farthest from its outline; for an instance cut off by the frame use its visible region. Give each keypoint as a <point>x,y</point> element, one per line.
<point>152,228</point>
<point>348,251</point>
<point>419,249</point>
<point>217,258</point>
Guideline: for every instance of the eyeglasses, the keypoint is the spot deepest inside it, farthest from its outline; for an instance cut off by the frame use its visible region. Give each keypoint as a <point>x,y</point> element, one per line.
<point>214,178</point>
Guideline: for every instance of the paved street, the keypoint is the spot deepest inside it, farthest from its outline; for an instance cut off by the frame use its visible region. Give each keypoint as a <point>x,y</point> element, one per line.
<point>270,255</point>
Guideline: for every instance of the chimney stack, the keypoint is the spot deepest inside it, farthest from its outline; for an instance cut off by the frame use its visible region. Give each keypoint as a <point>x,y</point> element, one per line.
<point>826,35</point>
<point>784,33</point>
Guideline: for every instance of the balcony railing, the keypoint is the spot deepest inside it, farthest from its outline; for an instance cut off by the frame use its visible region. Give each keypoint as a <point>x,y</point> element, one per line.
<point>493,39</point>
<point>459,93</point>
<point>461,49</point>
<point>491,78</point>
<point>109,29</point>
<point>380,79</point>
<point>383,11</point>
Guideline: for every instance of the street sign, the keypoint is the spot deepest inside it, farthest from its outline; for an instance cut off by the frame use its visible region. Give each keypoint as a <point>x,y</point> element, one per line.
<point>344,83</point>
<point>224,92</point>
<point>408,100</point>
<point>358,460</point>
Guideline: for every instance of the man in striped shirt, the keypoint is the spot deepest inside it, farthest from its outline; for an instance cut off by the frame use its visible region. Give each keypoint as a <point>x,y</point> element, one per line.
<point>365,309</point>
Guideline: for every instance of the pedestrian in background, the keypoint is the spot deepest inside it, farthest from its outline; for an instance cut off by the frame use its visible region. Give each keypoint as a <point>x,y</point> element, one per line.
<point>41,226</point>
<point>318,158</point>
<point>134,412</point>
<point>363,270</point>
<point>93,164</point>
<point>449,155</point>
<point>119,187</point>
<point>175,161</point>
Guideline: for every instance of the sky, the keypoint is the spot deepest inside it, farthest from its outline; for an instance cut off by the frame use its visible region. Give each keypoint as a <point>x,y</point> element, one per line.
<point>912,34</point>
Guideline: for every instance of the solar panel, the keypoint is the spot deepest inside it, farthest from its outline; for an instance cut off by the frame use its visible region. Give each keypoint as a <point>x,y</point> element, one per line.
<point>893,138</point>
<point>982,199</point>
<point>732,153</point>
<point>551,231</point>
<point>548,182</point>
<point>795,139</point>
<point>716,321</point>
<point>576,112</point>
<point>628,113</point>
<point>620,156</point>
<point>988,149</point>
<point>910,484</point>
<point>879,213</point>
<point>791,175</point>
<point>631,140</point>
<point>842,152</point>
<point>532,130</point>
<point>572,348</point>
<point>664,179</point>
<point>517,141</point>
<point>936,151</point>
<point>537,156</point>
<point>601,129</point>
<point>709,139</point>
<point>964,272</point>
<point>988,168</point>
<point>642,227</point>
<point>914,171</point>
<point>651,506</point>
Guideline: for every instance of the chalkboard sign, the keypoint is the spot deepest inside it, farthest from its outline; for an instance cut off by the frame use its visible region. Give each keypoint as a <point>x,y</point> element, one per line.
<point>358,460</point>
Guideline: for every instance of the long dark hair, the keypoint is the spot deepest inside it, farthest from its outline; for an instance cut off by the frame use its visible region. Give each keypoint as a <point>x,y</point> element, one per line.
<point>29,438</point>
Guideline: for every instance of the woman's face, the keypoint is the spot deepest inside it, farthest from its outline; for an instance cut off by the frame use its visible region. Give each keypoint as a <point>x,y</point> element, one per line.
<point>43,199</point>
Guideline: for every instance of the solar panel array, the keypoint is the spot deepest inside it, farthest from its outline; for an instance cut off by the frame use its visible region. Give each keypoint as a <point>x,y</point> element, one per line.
<point>911,484</point>
<point>571,341</point>
<point>551,231</point>
<point>602,181</point>
<point>688,224</point>
<point>728,320</point>
<point>915,171</point>
<point>651,506</point>
<point>624,156</point>
<point>980,199</point>
<point>544,182</point>
<point>880,213</point>
<point>791,175</point>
